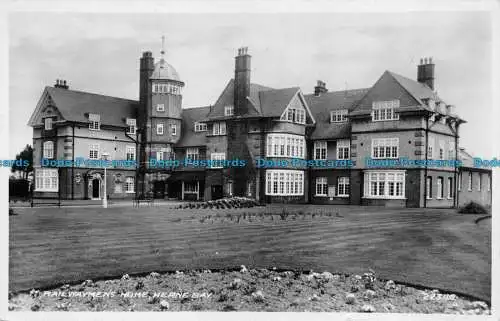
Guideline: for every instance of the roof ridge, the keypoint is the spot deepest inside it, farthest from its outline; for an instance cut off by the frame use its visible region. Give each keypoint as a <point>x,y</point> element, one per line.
<point>90,93</point>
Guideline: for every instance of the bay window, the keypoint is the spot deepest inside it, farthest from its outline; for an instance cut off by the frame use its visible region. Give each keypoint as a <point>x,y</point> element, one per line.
<point>285,145</point>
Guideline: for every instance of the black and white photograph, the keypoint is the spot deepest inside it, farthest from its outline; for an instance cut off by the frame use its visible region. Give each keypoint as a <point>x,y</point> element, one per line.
<point>239,159</point>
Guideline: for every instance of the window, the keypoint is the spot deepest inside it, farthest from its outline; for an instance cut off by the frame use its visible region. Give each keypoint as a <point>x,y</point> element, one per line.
<point>130,153</point>
<point>229,188</point>
<point>385,147</point>
<point>441,150</point>
<point>48,123</point>
<point>173,128</point>
<point>440,192</point>
<point>160,107</point>
<point>428,186</point>
<point>450,187</point>
<point>300,116</point>
<point>460,181</point>
<point>296,115</point>
<point>191,187</point>
<point>343,186</point>
<point>131,126</point>
<point>430,148</point>
<point>229,110</point>
<point>159,129</point>
<point>219,128</point>
<point>284,182</point>
<point>338,116</point>
<point>479,182</point>
<point>200,127</point>
<point>385,110</point>
<point>217,160</point>
<point>470,181</point>
<point>94,151</point>
<point>384,184</point>
<point>451,150</point>
<point>488,182</point>
<point>161,153</point>
<point>192,153</point>
<point>286,145</point>
<point>166,89</point>
<point>321,186</point>
<point>129,185</point>
<point>95,122</point>
<point>343,147</point>
<point>46,180</point>
<point>48,149</point>
<point>320,149</point>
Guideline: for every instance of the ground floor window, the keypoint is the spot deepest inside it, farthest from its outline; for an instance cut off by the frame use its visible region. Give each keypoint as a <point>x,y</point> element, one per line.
<point>130,184</point>
<point>440,188</point>
<point>284,182</point>
<point>450,187</point>
<point>321,186</point>
<point>46,180</point>
<point>428,187</point>
<point>191,187</point>
<point>344,186</point>
<point>384,184</point>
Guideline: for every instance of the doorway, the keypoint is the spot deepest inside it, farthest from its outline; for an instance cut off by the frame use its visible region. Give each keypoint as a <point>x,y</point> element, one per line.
<point>96,189</point>
<point>216,192</point>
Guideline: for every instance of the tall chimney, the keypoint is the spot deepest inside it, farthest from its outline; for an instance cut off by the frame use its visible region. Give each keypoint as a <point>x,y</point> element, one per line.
<point>320,88</point>
<point>425,72</point>
<point>61,84</point>
<point>241,81</point>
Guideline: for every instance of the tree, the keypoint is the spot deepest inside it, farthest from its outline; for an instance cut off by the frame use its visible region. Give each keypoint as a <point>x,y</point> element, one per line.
<point>25,155</point>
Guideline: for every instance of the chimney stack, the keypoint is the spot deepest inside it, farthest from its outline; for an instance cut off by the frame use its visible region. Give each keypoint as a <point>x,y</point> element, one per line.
<point>242,81</point>
<point>61,84</point>
<point>320,88</point>
<point>425,72</point>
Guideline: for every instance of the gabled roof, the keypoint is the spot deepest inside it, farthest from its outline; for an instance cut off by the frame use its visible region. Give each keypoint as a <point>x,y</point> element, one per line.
<point>76,105</point>
<point>417,89</point>
<point>322,105</point>
<point>190,138</point>
<point>274,102</point>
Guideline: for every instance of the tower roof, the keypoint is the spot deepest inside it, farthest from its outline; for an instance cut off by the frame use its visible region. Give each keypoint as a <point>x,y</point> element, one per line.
<point>163,70</point>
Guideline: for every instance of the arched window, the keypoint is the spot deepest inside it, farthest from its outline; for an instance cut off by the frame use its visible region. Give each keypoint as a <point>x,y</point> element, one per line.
<point>48,149</point>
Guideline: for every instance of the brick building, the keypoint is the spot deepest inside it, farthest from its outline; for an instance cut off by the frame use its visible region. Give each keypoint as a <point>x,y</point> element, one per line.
<point>340,147</point>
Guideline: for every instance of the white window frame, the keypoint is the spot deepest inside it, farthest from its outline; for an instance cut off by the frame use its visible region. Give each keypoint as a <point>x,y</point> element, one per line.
<point>200,127</point>
<point>160,107</point>
<point>440,188</point>
<point>130,151</point>
<point>470,182</point>
<point>192,153</point>
<point>320,149</point>
<point>430,148</point>
<point>428,187</point>
<point>338,116</point>
<point>46,180</point>
<point>459,187</point>
<point>94,151</point>
<point>131,126</point>
<point>219,128</point>
<point>160,129</point>
<point>217,157</point>
<point>173,129</point>
<point>191,187</point>
<point>449,194</point>
<point>385,110</point>
<point>48,149</point>
<point>282,182</point>
<point>344,185</point>
<point>285,145</point>
<point>229,110</point>
<point>383,146</point>
<point>451,150</point>
<point>384,181</point>
<point>129,184</point>
<point>94,122</point>
<point>48,122</point>
<point>294,115</point>
<point>321,186</point>
<point>342,146</point>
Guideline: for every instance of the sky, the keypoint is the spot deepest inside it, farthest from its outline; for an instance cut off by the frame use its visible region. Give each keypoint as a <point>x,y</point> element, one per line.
<point>100,53</point>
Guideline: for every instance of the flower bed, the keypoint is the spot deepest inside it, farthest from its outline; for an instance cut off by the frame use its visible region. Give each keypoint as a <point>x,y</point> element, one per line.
<point>232,202</point>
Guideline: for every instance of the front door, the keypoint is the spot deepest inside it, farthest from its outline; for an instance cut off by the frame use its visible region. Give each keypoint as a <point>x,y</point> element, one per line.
<point>96,184</point>
<point>216,192</point>
<point>159,189</point>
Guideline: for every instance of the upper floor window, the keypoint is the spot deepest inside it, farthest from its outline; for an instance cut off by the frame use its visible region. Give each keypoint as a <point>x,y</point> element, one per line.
<point>161,88</point>
<point>95,121</point>
<point>343,148</point>
<point>385,110</point>
<point>173,128</point>
<point>320,149</point>
<point>200,127</point>
<point>192,153</point>
<point>48,149</point>
<point>159,129</point>
<point>385,148</point>
<point>94,151</point>
<point>130,151</point>
<point>160,107</point>
<point>441,150</point>
<point>430,148</point>
<point>219,128</point>
<point>48,123</point>
<point>296,115</point>
<point>338,116</point>
<point>229,110</point>
<point>286,145</point>
<point>131,126</point>
<point>217,160</point>
<point>451,150</point>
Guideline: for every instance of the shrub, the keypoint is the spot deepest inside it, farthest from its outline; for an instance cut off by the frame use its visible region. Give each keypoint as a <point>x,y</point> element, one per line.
<point>473,208</point>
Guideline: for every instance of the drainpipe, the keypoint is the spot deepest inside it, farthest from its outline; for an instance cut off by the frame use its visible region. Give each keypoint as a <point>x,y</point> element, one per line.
<point>73,164</point>
<point>456,167</point>
<point>426,157</point>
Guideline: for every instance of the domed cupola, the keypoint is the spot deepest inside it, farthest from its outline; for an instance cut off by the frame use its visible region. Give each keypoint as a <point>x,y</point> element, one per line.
<point>164,70</point>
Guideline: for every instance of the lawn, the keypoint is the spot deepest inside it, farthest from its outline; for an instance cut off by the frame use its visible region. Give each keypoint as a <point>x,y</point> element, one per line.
<point>434,248</point>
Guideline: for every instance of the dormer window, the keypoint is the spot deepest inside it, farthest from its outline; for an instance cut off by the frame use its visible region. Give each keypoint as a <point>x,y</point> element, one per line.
<point>385,110</point>
<point>95,121</point>
<point>48,123</point>
<point>200,127</point>
<point>131,126</point>
<point>294,115</point>
<point>229,110</point>
<point>338,116</point>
